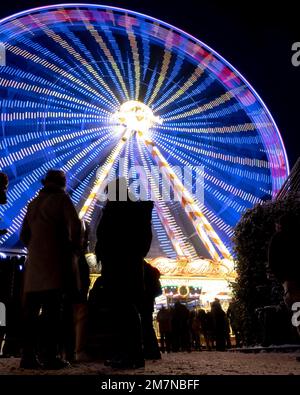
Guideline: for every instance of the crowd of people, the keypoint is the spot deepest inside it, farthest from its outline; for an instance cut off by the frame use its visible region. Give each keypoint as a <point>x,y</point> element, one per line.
<point>57,313</point>
<point>61,323</point>
<point>181,329</point>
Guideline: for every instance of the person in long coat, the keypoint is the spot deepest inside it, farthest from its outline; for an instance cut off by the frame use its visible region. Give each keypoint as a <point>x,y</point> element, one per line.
<point>153,289</point>
<point>124,236</point>
<point>164,319</point>
<point>51,231</point>
<point>221,328</point>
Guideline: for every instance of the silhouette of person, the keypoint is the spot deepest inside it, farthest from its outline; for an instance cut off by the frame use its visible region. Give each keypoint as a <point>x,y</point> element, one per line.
<point>51,231</point>
<point>3,187</point>
<point>180,327</point>
<point>220,325</point>
<point>75,309</point>
<point>235,321</point>
<point>124,237</point>
<point>3,198</point>
<point>195,330</point>
<point>164,319</point>
<point>206,324</point>
<point>152,290</point>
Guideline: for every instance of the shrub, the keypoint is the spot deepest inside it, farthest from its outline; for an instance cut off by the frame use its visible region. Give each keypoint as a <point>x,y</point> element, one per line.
<point>254,288</point>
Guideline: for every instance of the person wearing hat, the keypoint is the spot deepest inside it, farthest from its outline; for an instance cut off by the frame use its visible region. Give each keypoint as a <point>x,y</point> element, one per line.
<point>124,236</point>
<point>51,231</point>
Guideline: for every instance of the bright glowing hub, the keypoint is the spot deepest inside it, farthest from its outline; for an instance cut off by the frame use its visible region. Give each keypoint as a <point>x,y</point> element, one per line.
<point>136,116</point>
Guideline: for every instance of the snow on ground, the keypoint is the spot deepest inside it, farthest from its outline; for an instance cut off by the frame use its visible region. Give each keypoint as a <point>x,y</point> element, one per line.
<point>182,363</point>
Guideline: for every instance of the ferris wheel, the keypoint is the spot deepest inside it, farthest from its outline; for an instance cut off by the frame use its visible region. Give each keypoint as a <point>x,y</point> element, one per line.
<point>96,90</point>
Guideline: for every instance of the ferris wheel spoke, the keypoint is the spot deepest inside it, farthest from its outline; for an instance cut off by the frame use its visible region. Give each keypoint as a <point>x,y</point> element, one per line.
<point>135,57</point>
<point>109,56</point>
<point>212,177</point>
<point>198,73</point>
<point>205,107</point>
<point>161,76</point>
<point>59,40</point>
<point>217,154</point>
<point>201,224</point>
<point>30,181</point>
<point>99,182</point>
<point>57,70</point>
<point>174,233</point>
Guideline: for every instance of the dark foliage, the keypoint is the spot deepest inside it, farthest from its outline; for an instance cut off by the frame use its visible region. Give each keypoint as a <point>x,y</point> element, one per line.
<point>255,286</point>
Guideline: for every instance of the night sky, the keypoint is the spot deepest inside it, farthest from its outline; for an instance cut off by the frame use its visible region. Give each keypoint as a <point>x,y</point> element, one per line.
<point>257,41</point>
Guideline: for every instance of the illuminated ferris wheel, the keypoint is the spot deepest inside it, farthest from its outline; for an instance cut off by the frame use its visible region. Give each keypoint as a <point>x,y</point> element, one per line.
<point>95,89</point>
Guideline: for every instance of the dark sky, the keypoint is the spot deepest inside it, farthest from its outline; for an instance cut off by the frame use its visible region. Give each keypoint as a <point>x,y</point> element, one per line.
<point>254,36</point>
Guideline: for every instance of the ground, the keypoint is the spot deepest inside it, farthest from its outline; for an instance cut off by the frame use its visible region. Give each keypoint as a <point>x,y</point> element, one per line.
<point>195,363</point>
